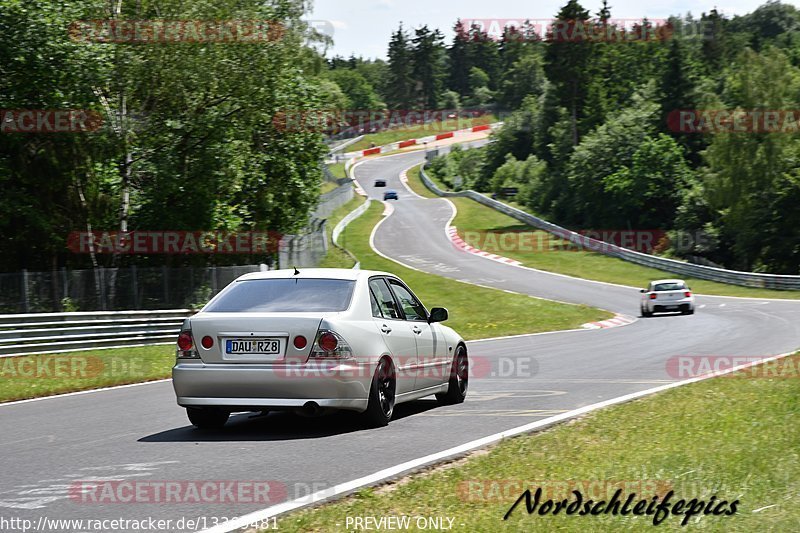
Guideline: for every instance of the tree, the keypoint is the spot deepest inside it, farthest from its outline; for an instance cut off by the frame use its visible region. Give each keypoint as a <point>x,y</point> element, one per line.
<point>749,174</point>
<point>400,86</point>
<point>677,92</point>
<point>568,59</point>
<point>604,152</point>
<point>190,139</point>
<point>360,94</point>
<point>428,60</point>
<point>459,62</point>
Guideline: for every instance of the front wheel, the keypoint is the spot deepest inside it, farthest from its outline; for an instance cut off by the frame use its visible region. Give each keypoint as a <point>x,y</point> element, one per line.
<point>207,417</point>
<point>459,380</point>
<point>381,395</point>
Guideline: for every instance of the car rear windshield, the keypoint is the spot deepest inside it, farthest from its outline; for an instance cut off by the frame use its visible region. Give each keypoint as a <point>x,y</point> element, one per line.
<point>285,296</point>
<point>661,287</point>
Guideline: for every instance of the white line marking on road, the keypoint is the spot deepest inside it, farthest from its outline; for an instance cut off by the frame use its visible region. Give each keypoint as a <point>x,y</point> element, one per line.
<point>404,468</point>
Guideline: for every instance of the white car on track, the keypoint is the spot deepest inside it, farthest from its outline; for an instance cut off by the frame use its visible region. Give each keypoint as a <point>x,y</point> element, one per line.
<point>316,340</point>
<point>667,295</point>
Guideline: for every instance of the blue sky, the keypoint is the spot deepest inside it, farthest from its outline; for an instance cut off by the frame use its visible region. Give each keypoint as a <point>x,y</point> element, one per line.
<point>363,27</point>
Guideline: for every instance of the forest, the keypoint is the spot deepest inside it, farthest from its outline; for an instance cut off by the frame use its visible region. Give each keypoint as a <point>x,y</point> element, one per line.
<point>189,139</point>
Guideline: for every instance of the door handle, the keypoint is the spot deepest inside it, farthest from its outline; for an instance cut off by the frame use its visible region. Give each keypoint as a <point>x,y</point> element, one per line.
<point>416,330</point>
<point>386,329</point>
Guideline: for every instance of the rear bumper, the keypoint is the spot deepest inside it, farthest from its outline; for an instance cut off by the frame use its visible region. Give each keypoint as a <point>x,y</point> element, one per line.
<point>343,385</point>
<point>685,304</point>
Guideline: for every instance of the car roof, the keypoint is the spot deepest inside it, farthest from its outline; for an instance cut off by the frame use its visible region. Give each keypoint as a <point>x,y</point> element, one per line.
<point>314,273</point>
<point>660,281</point>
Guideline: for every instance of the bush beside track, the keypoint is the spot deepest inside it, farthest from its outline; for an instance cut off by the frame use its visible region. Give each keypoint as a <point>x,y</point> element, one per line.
<point>474,217</point>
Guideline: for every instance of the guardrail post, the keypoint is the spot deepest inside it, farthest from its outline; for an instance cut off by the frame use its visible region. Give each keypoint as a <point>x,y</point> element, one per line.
<point>64,283</point>
<point>165,283</point>
<point>26,304</point>
<point>135,286</point>
<point>101,273</point>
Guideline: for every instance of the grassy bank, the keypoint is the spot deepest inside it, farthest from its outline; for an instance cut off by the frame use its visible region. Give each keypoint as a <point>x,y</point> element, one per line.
<point>733,438</point>
<point>484,227</point>
<point>34,376</point>
<point>509,314</point>
<point>336,257</point>
<point>337,169</point>
<point>413,132</point>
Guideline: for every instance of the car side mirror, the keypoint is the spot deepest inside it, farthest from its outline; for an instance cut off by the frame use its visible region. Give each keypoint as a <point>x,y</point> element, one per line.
<point>643,291</point>
<point>438,314</point>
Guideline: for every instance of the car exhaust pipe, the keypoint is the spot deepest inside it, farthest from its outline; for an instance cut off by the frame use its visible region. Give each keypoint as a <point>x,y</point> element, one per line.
<point>311,409</point>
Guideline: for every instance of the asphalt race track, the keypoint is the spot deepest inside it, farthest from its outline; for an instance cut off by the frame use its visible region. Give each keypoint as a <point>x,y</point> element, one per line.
<point>139,433</point>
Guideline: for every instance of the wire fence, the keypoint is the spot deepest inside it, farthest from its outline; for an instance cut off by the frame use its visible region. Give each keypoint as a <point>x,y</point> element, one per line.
<point>157,288</point>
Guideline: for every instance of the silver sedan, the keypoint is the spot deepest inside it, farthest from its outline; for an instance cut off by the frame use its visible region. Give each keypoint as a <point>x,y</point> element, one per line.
<point>313,341</point>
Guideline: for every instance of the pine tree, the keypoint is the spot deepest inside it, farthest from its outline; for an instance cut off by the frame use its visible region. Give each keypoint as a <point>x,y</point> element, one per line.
<point>400,86</point>
<point>676,93</point>
<point>427,55</point>
<point>458,61</point>
<point>568,61</point>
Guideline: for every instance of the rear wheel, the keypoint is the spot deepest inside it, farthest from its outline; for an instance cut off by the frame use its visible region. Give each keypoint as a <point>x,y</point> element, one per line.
<point>207,417</point>
<point>381,395</point>
<point>459,380</point>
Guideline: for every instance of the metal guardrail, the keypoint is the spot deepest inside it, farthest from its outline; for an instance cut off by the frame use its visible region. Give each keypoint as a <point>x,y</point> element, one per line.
<point>342,225</point>
<point>732,277</point>
<point>351,216</point>
<point>41,333</point>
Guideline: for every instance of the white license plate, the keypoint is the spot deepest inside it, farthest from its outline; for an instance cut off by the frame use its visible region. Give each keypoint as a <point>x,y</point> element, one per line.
<point>253,346</point>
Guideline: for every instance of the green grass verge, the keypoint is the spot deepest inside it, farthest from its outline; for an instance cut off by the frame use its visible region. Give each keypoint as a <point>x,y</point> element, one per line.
<point>336,257</point>
<point>327,186</point>
<point>412,132</point>
<point>337,169</point>
<point>509,314</point>
<point>733,437</point>
<point>33,376</point>
<point>551,256</point>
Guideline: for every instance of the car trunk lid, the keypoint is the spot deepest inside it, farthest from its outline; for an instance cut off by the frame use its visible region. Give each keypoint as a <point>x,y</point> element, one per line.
<point>255,338</point>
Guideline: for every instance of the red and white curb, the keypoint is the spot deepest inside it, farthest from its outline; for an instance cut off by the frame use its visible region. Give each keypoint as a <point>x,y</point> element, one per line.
<point>459,243</point>
<point>422,141</point>
<point>616,322</point>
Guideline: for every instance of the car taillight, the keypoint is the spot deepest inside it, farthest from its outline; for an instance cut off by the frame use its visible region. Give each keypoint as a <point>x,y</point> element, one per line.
<point>185,341</point>
<point>328,342</point>
<point>186,346</point>
<point>207,342</point>
<point>300,342</point>
<point>653,296</point>
<point>331,344</point>
<point>687,294</point>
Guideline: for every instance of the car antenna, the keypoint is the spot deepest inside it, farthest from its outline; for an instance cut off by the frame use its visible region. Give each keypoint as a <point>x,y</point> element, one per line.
<point>296,272</point>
